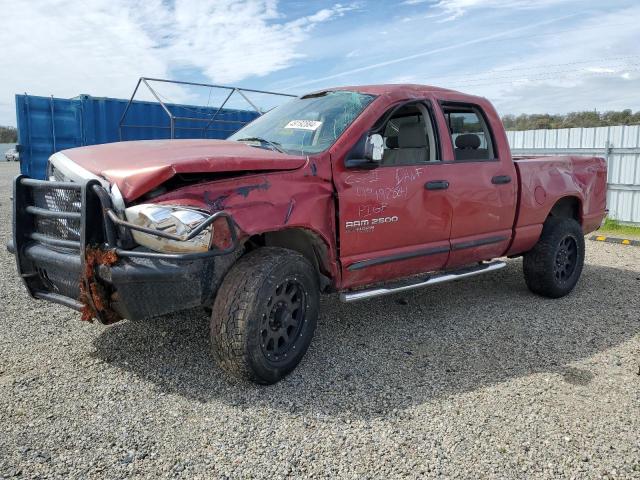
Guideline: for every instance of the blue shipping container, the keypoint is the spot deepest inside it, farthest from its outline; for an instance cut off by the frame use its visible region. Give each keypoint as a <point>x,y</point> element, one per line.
<point>47,125</point>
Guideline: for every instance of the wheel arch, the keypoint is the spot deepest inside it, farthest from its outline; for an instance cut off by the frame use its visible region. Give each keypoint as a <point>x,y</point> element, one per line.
<point>569,206</point>
<point>527,236</point>
<point>304,241</point>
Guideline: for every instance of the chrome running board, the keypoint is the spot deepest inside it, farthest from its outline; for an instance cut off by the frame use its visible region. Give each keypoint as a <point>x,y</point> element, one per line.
<point>412,283</point>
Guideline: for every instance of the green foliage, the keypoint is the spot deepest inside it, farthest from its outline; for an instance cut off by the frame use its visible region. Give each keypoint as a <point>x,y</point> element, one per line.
<point>614,228</point>
<point>570,120</point>
<point>8,134</point>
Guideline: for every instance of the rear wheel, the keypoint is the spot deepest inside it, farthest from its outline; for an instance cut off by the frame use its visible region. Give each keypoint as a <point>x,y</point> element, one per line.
<point>265,314</point>
<point>552,268</point>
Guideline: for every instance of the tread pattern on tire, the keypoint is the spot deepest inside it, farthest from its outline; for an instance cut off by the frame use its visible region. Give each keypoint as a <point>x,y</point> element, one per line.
<point>233,307</point>
<point>538,263</point>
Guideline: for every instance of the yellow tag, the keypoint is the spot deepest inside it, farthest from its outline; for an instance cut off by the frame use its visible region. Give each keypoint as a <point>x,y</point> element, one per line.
<point>601,238</point>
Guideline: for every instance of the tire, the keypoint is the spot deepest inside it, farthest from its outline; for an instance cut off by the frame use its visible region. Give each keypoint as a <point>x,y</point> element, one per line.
<point>265,314</point>
<point>552,268</point>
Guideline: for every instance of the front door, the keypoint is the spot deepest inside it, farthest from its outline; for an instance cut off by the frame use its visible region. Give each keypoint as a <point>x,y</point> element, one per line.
<point>394,220</point>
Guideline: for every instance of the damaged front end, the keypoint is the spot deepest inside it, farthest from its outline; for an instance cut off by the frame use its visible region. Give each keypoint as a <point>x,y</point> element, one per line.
<point>72,248</point>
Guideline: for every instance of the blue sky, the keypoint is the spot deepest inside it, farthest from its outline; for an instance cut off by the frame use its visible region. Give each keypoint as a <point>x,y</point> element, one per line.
<point>525,56</point>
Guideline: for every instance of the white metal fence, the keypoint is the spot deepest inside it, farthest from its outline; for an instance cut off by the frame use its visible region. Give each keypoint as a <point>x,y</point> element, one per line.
<point>619,145</point>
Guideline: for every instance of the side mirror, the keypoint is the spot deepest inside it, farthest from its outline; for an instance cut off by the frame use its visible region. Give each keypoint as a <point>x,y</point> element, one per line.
<point>367,153</point>
<point>374,148</point>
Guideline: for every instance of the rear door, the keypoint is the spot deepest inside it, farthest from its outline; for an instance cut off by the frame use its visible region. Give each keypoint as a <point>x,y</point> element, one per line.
<point>390,224</point>
<point>482,184</point>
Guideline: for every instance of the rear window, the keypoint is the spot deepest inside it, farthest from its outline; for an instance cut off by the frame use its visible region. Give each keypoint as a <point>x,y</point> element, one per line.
<point>470,134</point>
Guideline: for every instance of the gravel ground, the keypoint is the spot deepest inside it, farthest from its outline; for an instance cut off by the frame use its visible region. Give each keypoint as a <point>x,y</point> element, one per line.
<point>473,379</point>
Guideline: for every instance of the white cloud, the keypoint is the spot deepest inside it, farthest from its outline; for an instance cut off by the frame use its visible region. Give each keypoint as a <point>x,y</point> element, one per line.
<point>433,51</point>
<point>101,47</point>
<point>321,15</point>
<point>520,70</point>
<point>600,70</point>
<point>591,66</point>
<point>592,93</point>
<point>231,40</point>
<point>325,14</point>
<point>452,9</point>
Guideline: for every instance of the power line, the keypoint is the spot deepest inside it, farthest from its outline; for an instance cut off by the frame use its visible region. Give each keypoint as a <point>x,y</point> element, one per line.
<point>488,39</point>
<point>533,75</point>
<point>593,61</point>
<point>553,75</point>
<point>569,30</point>
<point>433,51</point>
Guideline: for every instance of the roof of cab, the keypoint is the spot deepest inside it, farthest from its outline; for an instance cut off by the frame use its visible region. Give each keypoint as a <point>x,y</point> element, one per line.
<point>390,88</point>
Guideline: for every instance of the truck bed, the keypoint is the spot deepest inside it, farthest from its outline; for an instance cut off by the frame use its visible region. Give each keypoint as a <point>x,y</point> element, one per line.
<point>542,181</point>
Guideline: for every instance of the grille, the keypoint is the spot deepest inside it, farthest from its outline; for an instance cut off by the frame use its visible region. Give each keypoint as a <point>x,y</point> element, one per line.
<point>59,280</point>
<point>59,200</point>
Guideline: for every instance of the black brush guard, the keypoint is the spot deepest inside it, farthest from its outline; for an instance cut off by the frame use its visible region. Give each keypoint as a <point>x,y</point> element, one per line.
<point>60,228</point>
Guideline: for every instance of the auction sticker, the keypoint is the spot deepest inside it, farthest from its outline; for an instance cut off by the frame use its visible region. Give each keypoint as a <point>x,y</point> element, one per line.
<point>303,124</point>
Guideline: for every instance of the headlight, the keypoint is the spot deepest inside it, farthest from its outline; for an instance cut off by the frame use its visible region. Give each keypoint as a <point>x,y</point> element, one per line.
<point>169,219</point>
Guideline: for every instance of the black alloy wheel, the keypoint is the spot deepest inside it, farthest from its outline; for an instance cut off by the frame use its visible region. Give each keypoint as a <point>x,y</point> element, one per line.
<point>566,259</point>
<point>283,320</point>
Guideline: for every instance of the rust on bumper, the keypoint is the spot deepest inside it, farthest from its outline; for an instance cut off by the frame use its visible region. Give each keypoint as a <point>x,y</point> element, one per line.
<point>93,294</point>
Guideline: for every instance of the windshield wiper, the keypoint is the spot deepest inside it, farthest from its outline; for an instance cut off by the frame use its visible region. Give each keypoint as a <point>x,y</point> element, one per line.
<point>274,145</point>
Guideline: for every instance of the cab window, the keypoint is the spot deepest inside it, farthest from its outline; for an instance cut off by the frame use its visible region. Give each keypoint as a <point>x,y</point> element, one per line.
<point>409,137</point>
<point>469,132</point>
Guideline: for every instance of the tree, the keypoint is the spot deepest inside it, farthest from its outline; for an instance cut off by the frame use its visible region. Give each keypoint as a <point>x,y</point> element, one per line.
<point>8,134</point>
<point>570,120</point>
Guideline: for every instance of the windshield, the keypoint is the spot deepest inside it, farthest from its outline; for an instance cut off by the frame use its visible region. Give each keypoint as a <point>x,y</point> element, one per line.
<point>305,125</point>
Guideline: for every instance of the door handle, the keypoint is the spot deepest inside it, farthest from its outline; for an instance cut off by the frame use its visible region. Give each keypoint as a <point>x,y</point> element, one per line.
<point>437,185</point>
<point>501,179</point>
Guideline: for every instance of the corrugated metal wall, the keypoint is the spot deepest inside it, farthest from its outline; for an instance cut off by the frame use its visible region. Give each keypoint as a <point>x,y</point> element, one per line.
<point>47,125</point>
<point>619,145</point>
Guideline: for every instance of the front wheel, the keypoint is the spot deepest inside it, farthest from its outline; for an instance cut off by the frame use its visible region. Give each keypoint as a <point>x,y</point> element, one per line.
<point>552,268</point>
<point>265,314</point>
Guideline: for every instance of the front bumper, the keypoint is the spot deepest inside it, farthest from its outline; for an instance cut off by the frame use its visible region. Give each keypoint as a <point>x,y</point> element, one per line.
<point>68,251</point>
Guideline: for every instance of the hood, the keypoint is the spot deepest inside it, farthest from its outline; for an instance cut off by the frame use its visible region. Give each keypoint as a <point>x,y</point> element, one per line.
<point>138,167</point>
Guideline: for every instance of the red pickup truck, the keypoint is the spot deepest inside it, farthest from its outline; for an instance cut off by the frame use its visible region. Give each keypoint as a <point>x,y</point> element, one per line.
<point>363,190</point>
